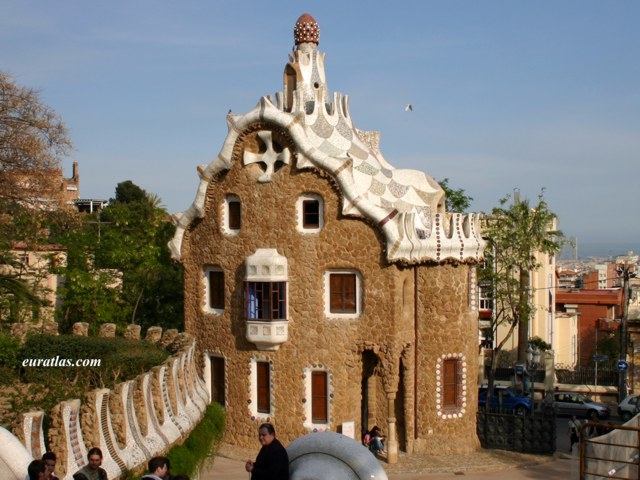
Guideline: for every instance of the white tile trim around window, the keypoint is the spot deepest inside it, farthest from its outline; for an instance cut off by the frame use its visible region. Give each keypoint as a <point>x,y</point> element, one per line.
<point>253,390</point>
<point>327,301</point>
<point>308,422</point>
<point>300,213</point>
<point>446,414</point>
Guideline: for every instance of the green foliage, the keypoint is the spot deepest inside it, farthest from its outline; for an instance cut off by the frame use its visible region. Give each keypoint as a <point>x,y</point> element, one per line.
<point>128,192</point>
<point>119,359</point>
<point>186,458</point>
<point>9,351</point>
<point>539,343</point>
<point>9,359</point>
<point>456,199</point>
<point>609,344</point>
<point>515,233</point>
<point>124,247</point>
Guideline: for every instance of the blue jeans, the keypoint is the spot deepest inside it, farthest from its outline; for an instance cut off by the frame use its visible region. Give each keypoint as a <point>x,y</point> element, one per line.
<point>375,444</point>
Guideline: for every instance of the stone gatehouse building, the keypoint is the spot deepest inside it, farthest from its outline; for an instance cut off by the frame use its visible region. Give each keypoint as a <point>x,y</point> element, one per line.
<point>325,286</point>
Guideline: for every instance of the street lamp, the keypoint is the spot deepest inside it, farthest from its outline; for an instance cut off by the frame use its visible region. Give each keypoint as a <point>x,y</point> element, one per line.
<point>533,357</point>
<point>533,362</point>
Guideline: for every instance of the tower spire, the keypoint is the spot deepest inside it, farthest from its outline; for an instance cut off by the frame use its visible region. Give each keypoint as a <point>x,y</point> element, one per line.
<point>304,78</point>
<point>306,30</point>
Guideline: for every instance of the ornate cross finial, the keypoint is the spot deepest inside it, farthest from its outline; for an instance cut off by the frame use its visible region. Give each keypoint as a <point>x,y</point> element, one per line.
<point>268,158</point>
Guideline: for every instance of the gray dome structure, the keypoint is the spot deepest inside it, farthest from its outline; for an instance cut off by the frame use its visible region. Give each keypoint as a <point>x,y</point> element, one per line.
<point>332,456</point>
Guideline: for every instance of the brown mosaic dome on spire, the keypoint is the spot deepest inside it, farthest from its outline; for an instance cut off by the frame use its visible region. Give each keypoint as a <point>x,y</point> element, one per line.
<point>306,30</point>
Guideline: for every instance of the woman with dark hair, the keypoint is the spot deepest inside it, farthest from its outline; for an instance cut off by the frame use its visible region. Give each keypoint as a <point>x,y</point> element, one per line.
<point>272,462</point>
<point>373,439</point>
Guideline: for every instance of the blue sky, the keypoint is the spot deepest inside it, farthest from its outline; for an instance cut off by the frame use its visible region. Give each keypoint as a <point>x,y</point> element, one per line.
<point>506,94</point>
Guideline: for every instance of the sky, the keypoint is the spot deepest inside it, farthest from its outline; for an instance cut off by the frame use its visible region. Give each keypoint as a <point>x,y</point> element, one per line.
<point>506,95</point>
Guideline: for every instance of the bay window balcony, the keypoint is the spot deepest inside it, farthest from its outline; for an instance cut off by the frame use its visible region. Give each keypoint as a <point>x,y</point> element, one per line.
<point>265,299</point>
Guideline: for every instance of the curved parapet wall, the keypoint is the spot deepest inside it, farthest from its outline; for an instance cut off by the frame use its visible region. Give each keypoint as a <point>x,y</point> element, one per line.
<point>332,456</point>
<point>31,435</point>
<point>125,423</point>
<point>14,457</point>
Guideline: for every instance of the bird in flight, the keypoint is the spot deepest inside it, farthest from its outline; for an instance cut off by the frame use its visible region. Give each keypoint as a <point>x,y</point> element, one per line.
<point>408,107</point>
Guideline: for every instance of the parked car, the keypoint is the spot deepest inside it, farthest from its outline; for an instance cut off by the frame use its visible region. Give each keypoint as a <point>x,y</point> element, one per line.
<point>570,403</point>
<point>504,398</point>
<point>628,407</point>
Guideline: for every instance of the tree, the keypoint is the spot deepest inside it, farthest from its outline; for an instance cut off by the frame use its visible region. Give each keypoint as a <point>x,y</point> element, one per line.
<point>456,199</point>
<point>125,246</point>
<point>515,232</point>
<point>33,140</point>
<point>129,192</point>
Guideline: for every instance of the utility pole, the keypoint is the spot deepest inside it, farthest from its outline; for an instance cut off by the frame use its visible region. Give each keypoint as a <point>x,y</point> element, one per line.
<point>626,269</point>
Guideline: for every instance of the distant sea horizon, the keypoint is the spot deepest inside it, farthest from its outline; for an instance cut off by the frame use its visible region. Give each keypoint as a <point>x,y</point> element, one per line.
<point>599,250</point>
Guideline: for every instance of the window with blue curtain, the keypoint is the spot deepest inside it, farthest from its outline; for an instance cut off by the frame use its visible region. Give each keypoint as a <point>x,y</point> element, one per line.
<point>265,301</point>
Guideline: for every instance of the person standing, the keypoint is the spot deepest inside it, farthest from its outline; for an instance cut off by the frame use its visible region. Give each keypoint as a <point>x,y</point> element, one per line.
<point>574,432</point>
<point>272,462</point>
<point>93,470</point>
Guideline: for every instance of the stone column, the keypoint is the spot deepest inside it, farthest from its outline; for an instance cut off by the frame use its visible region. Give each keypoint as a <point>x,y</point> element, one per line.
<point>392,441</point>
<point>81,329</point>
<point>549,371</point>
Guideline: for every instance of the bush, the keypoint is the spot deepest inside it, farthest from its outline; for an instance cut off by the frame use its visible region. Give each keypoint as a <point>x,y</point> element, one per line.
<point>186,458</point>
<point>9,351</point>
<point>9,359</point>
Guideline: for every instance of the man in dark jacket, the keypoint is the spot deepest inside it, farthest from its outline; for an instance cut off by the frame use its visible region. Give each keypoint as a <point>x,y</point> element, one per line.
<point>272,462</point>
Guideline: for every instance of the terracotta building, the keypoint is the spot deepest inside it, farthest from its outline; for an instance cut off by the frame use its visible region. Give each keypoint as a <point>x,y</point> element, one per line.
<point>598,314</point>
<point>327,289</point>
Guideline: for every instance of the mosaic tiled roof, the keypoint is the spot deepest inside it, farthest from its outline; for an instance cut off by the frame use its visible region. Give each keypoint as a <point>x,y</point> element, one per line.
<point>407,205</point>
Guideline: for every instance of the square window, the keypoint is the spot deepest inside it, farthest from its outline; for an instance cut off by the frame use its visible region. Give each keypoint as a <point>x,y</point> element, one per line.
<point>342,295</point>
<point>309,212</point>
<point>265,301</point>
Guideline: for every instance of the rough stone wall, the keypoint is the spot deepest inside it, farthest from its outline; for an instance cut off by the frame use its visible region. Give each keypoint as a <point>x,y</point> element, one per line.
<point>446,325</point>
<point>269,219</point>
<point>387,325</point>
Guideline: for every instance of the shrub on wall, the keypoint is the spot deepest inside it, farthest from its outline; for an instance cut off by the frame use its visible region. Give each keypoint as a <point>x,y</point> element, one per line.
<point>186,458</point>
